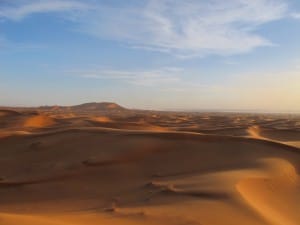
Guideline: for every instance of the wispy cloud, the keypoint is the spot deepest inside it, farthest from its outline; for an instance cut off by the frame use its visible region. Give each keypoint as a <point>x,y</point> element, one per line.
<point>20,9</point>
<point>186,28</point>
<point>295,15</point>
<point>155,77</point>
<point>182,28</point>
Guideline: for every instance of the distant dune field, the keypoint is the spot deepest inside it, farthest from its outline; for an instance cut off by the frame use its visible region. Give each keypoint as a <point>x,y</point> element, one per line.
<point>100,163</point>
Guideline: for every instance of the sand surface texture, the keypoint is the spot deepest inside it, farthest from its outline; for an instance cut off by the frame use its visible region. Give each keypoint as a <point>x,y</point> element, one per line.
<point>99,163</point>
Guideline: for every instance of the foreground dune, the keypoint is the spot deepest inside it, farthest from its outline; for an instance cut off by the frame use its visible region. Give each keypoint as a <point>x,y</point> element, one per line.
<point>105,169</point>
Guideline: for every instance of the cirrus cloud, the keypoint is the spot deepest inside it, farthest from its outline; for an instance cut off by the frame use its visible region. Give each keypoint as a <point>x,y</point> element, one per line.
<point>19,9</point>
<point>183,28</point>
<point>154,77</point>
<point>186,28</point>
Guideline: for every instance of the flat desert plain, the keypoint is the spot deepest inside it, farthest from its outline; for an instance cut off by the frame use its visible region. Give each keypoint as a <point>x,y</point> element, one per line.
<point>100,163</point>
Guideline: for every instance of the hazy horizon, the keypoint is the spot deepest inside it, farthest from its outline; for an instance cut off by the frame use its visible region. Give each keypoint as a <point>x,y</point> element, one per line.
<point>163,55</point>
<point>195,110</point>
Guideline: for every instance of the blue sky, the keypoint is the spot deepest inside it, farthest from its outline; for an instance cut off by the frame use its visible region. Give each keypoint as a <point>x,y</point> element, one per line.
<point>152,54</point>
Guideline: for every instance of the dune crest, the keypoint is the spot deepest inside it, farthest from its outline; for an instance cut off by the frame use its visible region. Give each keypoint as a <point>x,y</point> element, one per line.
<point>275,197</point>
<point>254,131</point>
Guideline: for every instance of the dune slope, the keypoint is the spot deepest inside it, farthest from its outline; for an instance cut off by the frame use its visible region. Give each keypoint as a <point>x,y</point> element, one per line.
<point>77,176</point>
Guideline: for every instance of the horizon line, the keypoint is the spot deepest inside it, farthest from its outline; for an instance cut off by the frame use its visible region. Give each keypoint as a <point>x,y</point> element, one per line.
<point>203,110</point>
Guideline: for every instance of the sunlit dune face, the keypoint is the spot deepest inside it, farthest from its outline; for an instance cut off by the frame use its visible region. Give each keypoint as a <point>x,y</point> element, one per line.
<point>254,131</point>
<point>156,128</point>
<point>282,170</point>
<point>139,125</point>
<point>103,119</point>
<point>269,195</point>
<point>39,121</point>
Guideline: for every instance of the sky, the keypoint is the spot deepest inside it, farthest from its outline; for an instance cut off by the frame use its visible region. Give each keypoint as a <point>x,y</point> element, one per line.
<point>237,55</point>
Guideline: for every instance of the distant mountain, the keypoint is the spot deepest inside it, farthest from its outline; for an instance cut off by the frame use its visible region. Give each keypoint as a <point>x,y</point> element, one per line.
<point>92,107</point>
<point>98,106</point>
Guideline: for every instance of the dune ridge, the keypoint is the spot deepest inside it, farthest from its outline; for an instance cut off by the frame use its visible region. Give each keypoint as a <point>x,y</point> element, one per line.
<point>273,197</point>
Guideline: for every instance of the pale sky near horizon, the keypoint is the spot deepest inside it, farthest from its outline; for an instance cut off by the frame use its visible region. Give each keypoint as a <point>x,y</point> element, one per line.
<point>152,54</point>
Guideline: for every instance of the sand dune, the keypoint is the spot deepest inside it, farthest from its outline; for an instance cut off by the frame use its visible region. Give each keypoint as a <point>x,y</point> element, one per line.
<point>275,197</point>
<point>169,169</point>
<point>7,113</point>
<point>39,121</point>
<point>102,119</point>
<point>140,125</point>
<point>255,131</point>
<point>281,134</point>
<point>286,136</point>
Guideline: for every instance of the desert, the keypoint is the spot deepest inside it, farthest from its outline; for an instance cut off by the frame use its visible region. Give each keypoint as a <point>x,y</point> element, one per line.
<point>149,112</point>
<point>101,163</point>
